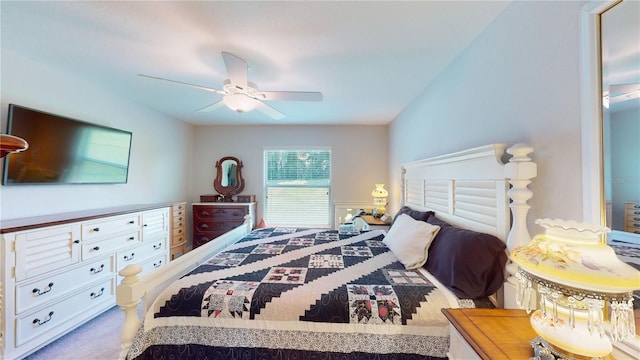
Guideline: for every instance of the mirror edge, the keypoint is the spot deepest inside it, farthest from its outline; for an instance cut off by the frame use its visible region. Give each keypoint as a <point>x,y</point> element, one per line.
<point>593,208</point>
<point>228,191</point>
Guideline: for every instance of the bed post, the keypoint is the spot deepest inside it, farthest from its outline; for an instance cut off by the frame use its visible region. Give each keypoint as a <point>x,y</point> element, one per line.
<point>520,170</point>
<point>131,321</point>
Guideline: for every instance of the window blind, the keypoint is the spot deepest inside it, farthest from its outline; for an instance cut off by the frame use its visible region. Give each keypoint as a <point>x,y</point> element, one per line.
<point>298,187</point>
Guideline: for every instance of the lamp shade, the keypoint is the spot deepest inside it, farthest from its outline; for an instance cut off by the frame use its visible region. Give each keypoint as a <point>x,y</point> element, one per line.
<point>573,254</point>
<point>379,191</point>
<point>578,279</point>
<point>380,199</point>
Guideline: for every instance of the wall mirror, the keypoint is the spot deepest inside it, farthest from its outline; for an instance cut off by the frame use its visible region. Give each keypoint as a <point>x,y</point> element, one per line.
<point>592,105</point>
<point>228,181</point>
<point>620,69</point>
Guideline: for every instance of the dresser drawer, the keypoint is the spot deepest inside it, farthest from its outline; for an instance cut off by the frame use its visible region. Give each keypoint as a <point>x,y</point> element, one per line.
<point>216,226</point>
<point>632,206</point>
<point>201,238</point>
<point>106,246</point>
<point>100,228</point>
<point>55,315</point>
<point>53,287</point>
<point>178,231</point>
<point>632,217</point>
<point>220,213</point>
<point>139,253</point>
<point>148,265</point>
<point>178,238</point>
<point>178,215</point>
<point>152,264</point>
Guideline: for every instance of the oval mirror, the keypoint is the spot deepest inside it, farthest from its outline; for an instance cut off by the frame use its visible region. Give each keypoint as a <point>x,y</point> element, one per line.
<point>229,179</point>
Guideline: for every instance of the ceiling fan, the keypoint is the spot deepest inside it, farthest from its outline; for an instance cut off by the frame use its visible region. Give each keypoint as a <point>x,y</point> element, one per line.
<point>243,96</point>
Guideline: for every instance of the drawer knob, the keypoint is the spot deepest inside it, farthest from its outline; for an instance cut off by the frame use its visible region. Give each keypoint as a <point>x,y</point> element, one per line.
<point>129,258</point>
<point>636,206</point>
<point>636,218</point>
<point>76,241</point>
<point>39,292</point>
<point>206,213</point>
<point>96,229</point>
<point>204,226</point>
<point>95,271</point>
<point>636,213</point>
<point>131,238</point>
<point>39,322</point>
<point>636,225</point>
<point>132,222</point>
<point>96,248</point>
<point>157,247</point>
<point>157,264</point>
<point>97,295</point>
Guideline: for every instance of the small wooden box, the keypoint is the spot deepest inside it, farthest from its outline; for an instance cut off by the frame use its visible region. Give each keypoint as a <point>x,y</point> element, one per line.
<point>209,198</point>
<point>245,198</point>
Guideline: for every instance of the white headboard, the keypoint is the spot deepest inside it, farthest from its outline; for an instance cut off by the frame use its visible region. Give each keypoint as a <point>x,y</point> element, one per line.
<point>475,190</point>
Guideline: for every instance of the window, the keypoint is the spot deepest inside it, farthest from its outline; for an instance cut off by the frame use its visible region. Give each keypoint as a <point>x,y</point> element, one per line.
<point>297,187</point>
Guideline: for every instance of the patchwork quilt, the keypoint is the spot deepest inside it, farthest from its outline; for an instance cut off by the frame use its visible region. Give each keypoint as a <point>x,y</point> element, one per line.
<point>285,293</point>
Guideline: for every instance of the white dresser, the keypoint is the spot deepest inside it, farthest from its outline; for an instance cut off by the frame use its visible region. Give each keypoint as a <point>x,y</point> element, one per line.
<point>61,270</point>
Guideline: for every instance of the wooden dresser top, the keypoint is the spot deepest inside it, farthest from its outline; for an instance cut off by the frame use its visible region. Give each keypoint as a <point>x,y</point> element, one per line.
<point>12,225</point>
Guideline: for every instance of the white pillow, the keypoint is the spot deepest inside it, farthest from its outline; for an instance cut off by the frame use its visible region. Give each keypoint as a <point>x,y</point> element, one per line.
<point>409,240</point>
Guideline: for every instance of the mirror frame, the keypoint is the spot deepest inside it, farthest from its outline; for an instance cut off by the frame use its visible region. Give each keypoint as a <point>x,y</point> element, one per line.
<point>593,207</point>
<point>228,191</point>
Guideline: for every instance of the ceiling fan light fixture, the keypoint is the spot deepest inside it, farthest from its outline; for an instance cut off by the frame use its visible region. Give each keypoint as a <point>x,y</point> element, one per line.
<point>239,102</point>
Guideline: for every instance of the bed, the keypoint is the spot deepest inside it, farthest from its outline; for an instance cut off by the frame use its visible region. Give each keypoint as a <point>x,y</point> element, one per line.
<point>294,293</point>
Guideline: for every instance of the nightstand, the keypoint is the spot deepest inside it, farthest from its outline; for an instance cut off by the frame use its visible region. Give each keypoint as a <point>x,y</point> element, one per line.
<point>489,334</point>
<point>494,334</point>
<point>375,224</point>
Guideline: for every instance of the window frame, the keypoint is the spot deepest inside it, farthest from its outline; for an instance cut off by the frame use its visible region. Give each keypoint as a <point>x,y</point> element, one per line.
<point>327,223</point>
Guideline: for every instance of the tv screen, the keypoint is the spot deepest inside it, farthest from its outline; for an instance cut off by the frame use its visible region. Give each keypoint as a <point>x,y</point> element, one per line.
<point>65,151</point>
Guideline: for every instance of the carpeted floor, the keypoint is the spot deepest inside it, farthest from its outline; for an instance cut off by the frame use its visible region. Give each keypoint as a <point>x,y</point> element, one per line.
<point>98,339</point>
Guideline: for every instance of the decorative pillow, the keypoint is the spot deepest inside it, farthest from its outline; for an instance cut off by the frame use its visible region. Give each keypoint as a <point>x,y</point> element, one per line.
<point>415,214</point>
<point>469,263</point>
<point>434,220</point>
<point>409,240</point>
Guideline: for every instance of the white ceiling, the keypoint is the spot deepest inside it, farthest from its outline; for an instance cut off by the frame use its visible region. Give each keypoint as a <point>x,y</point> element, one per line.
<point>369,59</point>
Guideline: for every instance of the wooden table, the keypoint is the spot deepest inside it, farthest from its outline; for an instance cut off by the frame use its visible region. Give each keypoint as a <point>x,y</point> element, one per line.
<point>495,334</point>
<point>491,334</point>
<point>375,223</point>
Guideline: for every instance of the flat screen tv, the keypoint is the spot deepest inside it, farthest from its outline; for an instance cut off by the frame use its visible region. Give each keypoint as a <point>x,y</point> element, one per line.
<point>65,151</point>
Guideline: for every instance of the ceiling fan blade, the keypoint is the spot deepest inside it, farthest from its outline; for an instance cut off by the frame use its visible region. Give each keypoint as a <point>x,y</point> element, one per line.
<point>268,110</point>
<point>186,84</point>
<point>213,106</point>
<point>623,88</point>
<point>236,68</point>
<point>290,95</point>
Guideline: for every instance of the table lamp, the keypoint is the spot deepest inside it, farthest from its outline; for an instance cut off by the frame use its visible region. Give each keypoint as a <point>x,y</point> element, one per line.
<point>379,200</point>
<point>575,279</point>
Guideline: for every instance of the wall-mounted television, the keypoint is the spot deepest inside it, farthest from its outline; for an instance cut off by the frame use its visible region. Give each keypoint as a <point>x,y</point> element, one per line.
<point>64,150</point>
